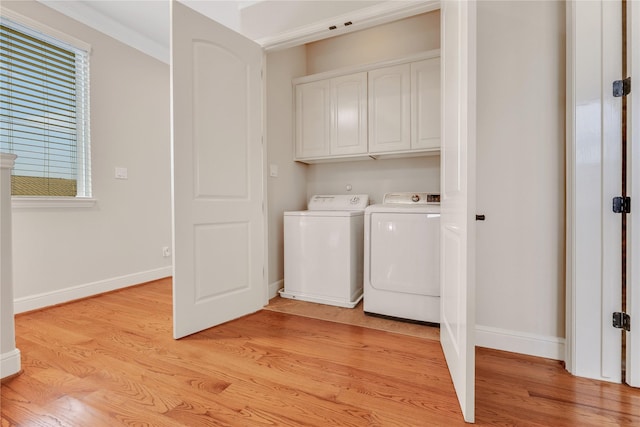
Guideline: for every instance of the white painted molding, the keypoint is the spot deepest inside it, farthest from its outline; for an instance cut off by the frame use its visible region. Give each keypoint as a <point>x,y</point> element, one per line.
<point>7,160</point>
<point>364,18</point>
<point>40,27</point>
<point>520,342</point>
<point>275,287</point>
<point>10,363</point>
<point>24,202</point>
<point>382,13</point>
<point>35,302</point>
<point>109,26</point>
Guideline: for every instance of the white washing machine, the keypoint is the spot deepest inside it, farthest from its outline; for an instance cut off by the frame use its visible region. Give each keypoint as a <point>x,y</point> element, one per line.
<point>402,257</point>
<point>323,250</point>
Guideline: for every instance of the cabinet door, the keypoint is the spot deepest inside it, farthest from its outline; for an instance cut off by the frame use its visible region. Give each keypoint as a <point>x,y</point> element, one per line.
<point>349,114</point>
<point>389,104</point>
<point>425,104</point>
<point>313,119</point>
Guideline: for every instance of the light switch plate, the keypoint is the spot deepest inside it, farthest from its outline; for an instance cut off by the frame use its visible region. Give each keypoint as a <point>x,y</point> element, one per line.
<point>121,173</point>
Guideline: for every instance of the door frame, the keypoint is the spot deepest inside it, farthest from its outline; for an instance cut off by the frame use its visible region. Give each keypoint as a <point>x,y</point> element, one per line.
<point>633,161</point>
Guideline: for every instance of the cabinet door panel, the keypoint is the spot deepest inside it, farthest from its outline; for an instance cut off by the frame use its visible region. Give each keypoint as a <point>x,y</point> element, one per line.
<point>313,120</point>
<point>389,105</point>
<point>349,114</point>
<point>425,104</point>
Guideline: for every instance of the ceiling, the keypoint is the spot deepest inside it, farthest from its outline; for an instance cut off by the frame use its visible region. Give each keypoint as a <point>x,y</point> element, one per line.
<point>274,24</point>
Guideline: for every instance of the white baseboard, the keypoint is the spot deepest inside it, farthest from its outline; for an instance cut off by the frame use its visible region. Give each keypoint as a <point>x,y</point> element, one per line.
<point>10,363</point>
<point>520,342</point>
<point>34,302</point>
<point>275,287</point>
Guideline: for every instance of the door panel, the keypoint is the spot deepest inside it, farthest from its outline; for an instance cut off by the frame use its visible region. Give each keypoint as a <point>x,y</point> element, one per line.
<point>457,272</point>
<point>218,223</point>
<point>221,166</point>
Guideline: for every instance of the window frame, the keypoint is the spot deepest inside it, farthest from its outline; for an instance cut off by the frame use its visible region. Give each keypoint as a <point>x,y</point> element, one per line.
<point>83,148</point>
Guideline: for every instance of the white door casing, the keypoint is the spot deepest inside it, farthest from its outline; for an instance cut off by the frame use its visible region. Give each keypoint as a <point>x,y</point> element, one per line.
<point>457,235</point>
<point>217,176</point>
<point>632,376</point>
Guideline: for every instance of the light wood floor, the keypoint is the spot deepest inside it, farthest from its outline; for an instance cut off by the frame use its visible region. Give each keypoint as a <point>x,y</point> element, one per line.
<point>110,360</point>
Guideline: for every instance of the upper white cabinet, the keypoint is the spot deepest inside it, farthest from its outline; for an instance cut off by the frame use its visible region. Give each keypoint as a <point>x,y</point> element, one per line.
<point>331,117</point>
<point>425,104</point>
<point>384,110</point>
<point>349,114</point>
<point>313,119</point>
<point>389,109</point>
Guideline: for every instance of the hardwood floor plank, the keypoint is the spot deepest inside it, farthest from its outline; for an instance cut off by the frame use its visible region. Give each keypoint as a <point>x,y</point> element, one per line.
<point>111,360</point>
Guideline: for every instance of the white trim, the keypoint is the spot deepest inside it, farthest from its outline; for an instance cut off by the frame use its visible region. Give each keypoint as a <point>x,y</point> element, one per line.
<point>570,201</point>
<point>109,26</point>
<point>632,376</point>
<point>7,161</point>
<point>520,342</point>
<point>10,363</point>
<point>275,287</point>
<point>35,302</point>
<point>364,18</point>
<point>22,202</point>
<point>45,29</point>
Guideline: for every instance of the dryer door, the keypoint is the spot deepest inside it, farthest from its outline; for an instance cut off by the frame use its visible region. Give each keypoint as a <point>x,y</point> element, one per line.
<point>405,255</point>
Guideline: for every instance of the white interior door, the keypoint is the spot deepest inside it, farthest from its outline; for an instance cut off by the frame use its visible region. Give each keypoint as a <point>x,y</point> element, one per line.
<point>218,224</point>
<point>633,181</point>
<point>457,235</point>
<point>594,61</point>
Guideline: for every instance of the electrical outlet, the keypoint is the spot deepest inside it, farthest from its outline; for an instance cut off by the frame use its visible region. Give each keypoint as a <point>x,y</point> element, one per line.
<point>166,251</point>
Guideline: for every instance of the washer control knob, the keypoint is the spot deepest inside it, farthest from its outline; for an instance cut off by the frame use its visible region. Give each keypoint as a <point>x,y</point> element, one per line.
<point>415,198</point>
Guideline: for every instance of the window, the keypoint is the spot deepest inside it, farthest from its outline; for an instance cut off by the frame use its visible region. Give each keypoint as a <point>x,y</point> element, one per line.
<point>44,111</point>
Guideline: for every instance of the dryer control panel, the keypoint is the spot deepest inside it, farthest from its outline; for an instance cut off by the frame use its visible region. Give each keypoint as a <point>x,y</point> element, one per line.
<point>339,202</point>
<point>412,198</point>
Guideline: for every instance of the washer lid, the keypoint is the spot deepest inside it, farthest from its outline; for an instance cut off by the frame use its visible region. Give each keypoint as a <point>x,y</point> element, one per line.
<point>339,202</point>
<point>325,214</point>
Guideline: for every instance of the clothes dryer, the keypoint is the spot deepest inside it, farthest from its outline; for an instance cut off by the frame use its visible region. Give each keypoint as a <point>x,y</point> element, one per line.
<point>323,250</point>
<point>402,257</point>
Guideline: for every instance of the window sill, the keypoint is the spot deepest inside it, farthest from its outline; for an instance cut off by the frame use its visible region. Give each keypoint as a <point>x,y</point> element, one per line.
<point>19,202</point>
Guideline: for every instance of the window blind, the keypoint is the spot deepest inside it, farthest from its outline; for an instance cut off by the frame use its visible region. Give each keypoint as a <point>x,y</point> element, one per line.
<point>44,112</point>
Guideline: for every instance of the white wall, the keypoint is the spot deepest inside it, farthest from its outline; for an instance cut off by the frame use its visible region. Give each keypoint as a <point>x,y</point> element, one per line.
<point>65,253</point>
<point>520,246</point>
<point>394,40</point>
<point>287,191</point>
<point>375,177</point>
